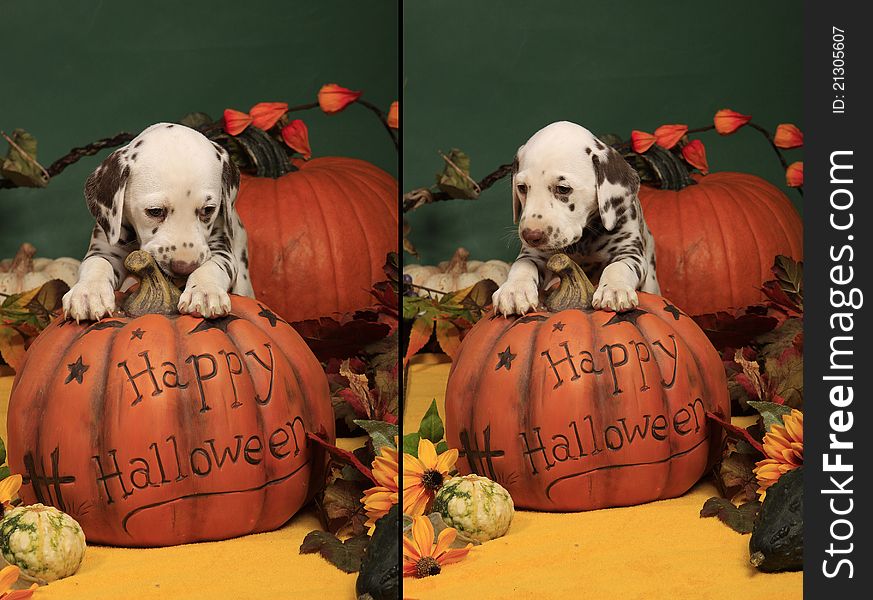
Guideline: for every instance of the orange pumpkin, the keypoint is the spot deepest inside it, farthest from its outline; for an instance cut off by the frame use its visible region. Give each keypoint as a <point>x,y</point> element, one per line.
<point>159,429</point>
<point>318,236</point>
<point>715,240</point>
<point>578,409</point>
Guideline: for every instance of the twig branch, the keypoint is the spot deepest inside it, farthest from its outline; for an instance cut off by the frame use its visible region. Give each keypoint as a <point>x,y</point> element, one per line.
<point>421,196</point>
<point>383,118</point>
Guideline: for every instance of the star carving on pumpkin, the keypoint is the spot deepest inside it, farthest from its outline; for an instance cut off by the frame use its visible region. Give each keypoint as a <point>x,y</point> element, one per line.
<point>77,370</point>
<point>272,317</point>
<point>628,316</point>
<point>559,326</point>
<point>219,323</point>
<point>137,333</point>
<point>673,310</point>
<point>506,357</point>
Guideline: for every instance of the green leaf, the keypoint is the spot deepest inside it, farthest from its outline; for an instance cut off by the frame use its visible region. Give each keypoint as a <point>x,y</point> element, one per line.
<point>739,518</point>
<point>346,556</point>
<point>381,433</point>
<point>455,178</point>
<point>442,447</point>
<point>2,452</point>
<point>776,342</point>
<point>4,472</point>
<point>21,167</point>
<point>431,427</point>
<point>410,444</point>
<point>789,274</point>
<point>771,412</point>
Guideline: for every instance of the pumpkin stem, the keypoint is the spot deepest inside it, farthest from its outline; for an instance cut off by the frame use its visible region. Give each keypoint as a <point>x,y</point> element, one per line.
<point>255,151</point>
<point>155,295</point>
<point>458,264</point>
<point>22,264</point>
<point>575,289</point>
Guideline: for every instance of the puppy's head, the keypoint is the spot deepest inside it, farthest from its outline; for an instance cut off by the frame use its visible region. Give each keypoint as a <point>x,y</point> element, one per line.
<point>175,188</point>
<point>564,178</point>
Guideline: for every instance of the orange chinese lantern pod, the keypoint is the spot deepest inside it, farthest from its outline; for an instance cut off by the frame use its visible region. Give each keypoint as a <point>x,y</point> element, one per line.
<point>296,135</point>
<point>668,136</point>
<point>574,409</point>
<point>152,428</point>
<point>235,122</point>
<point>318,236</point>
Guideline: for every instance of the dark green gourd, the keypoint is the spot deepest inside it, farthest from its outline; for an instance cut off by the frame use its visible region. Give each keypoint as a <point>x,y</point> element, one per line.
<point>777,536</point>
<point>379,578</point>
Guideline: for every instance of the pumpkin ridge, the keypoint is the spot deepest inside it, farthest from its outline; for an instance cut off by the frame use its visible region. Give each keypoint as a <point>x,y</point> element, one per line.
<point>767,202</point>
<point>750,227</point>
<point>332,245</point>
<point>375,191</point>
<point>727,252</point>
<point>370,262</point>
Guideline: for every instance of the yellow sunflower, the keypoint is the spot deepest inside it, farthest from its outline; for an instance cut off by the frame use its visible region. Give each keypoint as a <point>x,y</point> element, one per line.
<point>422,557</point>
<point>379,499</point>
<point>8,489</point>
<point>783,446</point>
<point>423,476</point>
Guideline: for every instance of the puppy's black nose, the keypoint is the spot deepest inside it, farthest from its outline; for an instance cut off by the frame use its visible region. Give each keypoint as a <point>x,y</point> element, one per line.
<point>180,267</point>
<point>534,237</point>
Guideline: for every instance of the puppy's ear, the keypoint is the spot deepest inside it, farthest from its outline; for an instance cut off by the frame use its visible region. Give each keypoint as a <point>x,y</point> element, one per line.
<point>229,189</point>
<point>104,193</point>
<point>516,201</point>
<point>616,185</point>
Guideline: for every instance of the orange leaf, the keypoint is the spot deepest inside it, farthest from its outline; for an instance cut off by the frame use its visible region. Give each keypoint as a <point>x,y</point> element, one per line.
<point>296,135</point>
<point>332,98</point>
<point>235,122</point>
<point>422,327</point>
<point>695,153</point>
<point>641,141</point>
<point>788,136</point>
<point>449,337</point>
<point>727,121</point>
<point>394,115</point>
<point>668,136</point>
<point>265,114</point>
<point>794,174</point>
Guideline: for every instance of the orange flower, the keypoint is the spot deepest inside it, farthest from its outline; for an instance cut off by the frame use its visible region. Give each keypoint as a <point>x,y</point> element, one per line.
<point>423,558</point>
<point>394,115</point>
<point>265,114</point>
<point>235,122</point>
<point>641,141</point>
<point>423,476</point>
<point>727,121</point>
<point>668,136</point>
<point>788,136</point>
<point>783,447</point>
<point>695,154</point>
<point>794,174</point>
<point>8,489</point>
<point>332,98</point>
<point>379,499</point>
<point>296,135</point>
<point>8,576</point>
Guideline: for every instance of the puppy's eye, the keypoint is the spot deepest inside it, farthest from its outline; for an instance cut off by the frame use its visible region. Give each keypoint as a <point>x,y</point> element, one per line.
<point>156,213</point>
<point>206,213</point>
<point>564,190</point>
<point>522,188</point>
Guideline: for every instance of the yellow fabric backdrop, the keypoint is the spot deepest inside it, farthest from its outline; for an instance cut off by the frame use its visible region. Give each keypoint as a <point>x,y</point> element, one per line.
<point>657,551</point>
<point>265,565</point>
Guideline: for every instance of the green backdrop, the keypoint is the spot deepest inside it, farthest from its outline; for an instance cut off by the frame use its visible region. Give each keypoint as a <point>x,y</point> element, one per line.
<point>74,72</point>
<point>483,76</point>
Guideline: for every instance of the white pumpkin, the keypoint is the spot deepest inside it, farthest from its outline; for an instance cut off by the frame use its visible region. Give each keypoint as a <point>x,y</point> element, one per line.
<point>456,274</point>
<point>24,272</point>
<point>475,505</point>
<point>45,543</point>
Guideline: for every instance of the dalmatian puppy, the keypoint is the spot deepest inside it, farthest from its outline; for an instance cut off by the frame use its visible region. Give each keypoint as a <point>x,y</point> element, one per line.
<point>572,193</point>
<point>170,192</point>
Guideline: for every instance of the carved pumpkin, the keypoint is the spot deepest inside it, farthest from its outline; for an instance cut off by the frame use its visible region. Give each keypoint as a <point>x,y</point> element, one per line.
<point>318,236</point>
<point>715,240</point>
<point>457,273</point>
<point>165,429</point>
<point>24,272</point>
<point>578,409</point>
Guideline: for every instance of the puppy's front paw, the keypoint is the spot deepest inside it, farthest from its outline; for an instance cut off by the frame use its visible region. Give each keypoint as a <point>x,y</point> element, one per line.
<point>89,300</point>
<point>516,298</point>
<point>615,297</point>
<point>205,300</point>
